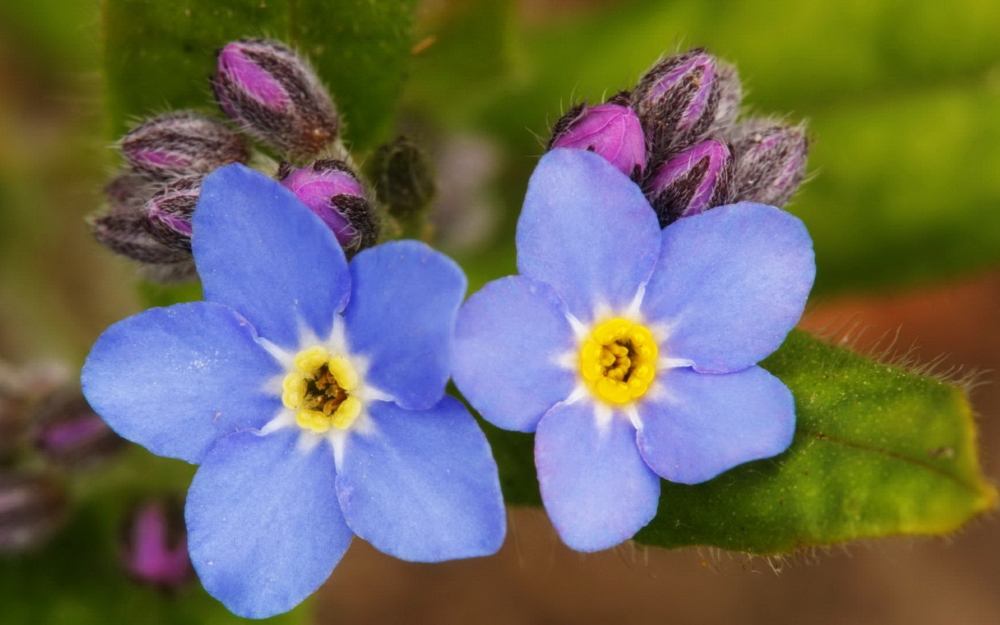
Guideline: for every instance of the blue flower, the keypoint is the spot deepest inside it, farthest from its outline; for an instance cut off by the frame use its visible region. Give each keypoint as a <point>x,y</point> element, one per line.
<point>311,394</point>
<point>631,351</point>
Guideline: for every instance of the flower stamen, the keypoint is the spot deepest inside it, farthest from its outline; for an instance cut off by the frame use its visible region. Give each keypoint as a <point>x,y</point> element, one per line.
<point>618,361</point>
<point>319,390</point>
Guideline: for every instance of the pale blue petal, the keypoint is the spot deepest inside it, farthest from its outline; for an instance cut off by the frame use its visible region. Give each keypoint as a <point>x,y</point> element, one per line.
<point>729,285</point>
<point>586,230</point>
<point>595,486</point>
<point>264,526</point>
<point>259,250</point>
<point>510,339</point>
<point>704,424</point>
<point>404,298</point>
<point>176,379</point>
<point>423,486</point>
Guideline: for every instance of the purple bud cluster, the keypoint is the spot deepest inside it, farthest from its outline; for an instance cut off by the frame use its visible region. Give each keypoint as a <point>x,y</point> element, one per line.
<point>270,94</point>
<point>676,134</point>
<point>48,431</point>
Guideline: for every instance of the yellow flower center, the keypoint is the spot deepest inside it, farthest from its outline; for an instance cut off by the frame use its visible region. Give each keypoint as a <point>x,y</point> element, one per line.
<point>618,361</point>
<point>319,391</point>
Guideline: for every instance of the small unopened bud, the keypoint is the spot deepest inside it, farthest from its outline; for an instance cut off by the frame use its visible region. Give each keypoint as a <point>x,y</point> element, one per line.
<point>694,180</point>
<point>404,180</point>
<point>154,545</point>
<point>331,190</point>
<point>182,143</point>
<point>611,130</point>
<point>683,98</point>
<point>168,213</point>
<point>770,161</point>
<point>68,432</point>
<point>32,508</point>
<point>129,190</point>
<point>126,233</point>
<point>276,97</point>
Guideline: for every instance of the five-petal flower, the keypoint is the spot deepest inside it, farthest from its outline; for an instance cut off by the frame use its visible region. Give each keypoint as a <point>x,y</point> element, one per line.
<point>311,394</point>
<point>631,352</point>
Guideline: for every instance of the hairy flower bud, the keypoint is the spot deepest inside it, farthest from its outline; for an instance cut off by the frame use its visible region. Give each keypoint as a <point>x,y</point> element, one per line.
<point>154,545</point>
<point>68,432</point>
<point>168,213</point>
<point>404,178</point>
<point>182,143</point>
<point>770,161</point>
<point>32,508</point>
<point>681,99</point>
<point>151,224</point>
<point>612,130</point>
<point>331,190</point>
<point>694,180</point>
<point>276,97</point>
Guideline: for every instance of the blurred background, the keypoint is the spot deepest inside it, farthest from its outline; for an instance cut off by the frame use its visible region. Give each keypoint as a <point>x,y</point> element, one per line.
<point>903,105</point>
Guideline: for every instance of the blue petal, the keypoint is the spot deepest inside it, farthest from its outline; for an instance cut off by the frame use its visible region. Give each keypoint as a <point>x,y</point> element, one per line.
<point>729,285</point>
<point>705,424</point>
<point>264,526</point>
<point>261,251</point>
<point>423,486</point>
<point>176,379</point>
<point>587,231</point>
<point>404,299</point>
<point>509,338</point>
<point>596,488</point>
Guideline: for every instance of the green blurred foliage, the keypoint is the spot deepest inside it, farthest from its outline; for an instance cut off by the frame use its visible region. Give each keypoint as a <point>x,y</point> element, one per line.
<point>878,451</point>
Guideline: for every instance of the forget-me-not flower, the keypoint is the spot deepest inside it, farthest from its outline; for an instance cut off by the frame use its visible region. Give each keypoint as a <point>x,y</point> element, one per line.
<point>311,394</point>
<point>631,352</point>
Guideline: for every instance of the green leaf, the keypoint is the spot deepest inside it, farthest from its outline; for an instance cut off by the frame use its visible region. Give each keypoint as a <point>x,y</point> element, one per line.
<point>159,55</point>
<point>76,579</point>
<point>878,451</point>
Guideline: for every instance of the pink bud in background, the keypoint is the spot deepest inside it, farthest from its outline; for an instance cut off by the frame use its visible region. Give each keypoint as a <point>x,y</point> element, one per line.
<point>154,545</point>
<point>182,143</point>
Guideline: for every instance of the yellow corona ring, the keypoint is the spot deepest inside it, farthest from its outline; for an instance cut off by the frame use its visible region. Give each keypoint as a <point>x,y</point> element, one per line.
<point>618,361</point>
<point>319,391</point>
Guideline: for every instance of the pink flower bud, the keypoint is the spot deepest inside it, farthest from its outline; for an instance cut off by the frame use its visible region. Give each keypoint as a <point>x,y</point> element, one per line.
<point>276,97</point>
<point>182,143</point>
<point>331,190</point>
<point>154,545</point>
<point>683,98</point>
<point>68,432</point>
<point>691,182</point>
<point>770,161</point>
<point>612,130</point>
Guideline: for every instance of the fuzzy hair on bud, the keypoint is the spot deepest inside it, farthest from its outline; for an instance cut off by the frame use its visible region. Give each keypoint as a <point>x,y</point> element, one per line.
<point>331,190</point>
<point>275,96</point>
<point>770,161</point>
<point>182,143</point>
<point>168,213</point>
<point>611,130</point>
<point>684,98</point>
<point>691,182</point>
